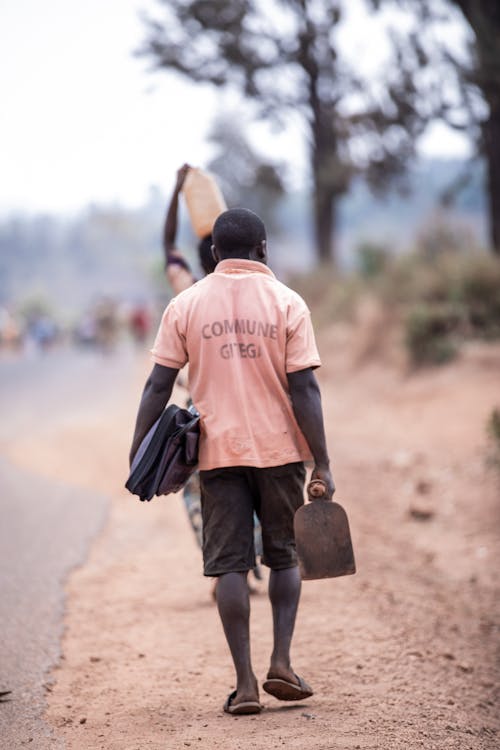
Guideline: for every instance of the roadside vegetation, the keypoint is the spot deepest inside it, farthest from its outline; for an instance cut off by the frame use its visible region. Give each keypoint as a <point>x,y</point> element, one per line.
<point>438,299</point>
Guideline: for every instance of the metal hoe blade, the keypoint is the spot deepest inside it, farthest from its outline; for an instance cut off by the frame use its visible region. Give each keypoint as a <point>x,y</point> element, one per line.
<point>323,539</point>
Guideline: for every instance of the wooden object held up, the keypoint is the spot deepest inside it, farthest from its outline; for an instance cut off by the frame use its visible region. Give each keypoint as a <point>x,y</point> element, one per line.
<point>204,200</point>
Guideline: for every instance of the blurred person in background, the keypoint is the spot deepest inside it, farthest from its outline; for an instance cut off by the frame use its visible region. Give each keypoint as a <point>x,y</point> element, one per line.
<point>179,273</point>
<point>42,331</point>
<point>106,324</point>
<point>180,277</point>
<point>11,335</point>
<point>139,323</point>
<point>85,332</point>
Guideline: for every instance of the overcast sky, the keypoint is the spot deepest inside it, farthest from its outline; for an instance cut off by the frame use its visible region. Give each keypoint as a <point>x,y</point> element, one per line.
<point>82,121</point>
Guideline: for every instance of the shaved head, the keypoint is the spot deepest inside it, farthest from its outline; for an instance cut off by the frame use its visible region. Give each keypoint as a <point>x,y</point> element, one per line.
<point>237,232</point>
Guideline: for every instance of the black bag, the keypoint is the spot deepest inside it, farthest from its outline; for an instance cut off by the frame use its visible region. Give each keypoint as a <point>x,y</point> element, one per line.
<point>168,455</point>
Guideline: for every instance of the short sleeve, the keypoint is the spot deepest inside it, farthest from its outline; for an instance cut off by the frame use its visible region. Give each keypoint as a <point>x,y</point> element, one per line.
<point>301,349</point>
<point>169,348</point>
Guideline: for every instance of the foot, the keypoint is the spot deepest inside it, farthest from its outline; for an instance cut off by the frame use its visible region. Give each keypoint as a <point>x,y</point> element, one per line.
<point>284,684</point>
<point>244,700</point>
<point>280,672</point>
<point>236,705</point>
<point>248,691</point>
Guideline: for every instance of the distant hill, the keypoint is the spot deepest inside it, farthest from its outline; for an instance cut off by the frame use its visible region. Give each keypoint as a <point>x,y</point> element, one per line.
<point>113,251</point>
<point>395,219</point>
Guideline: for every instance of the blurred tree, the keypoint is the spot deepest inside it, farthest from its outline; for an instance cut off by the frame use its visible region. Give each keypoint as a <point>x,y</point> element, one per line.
<point>462,89</point>
<point>284,57</point>
<point>246,178</point>
<point>483,73</point>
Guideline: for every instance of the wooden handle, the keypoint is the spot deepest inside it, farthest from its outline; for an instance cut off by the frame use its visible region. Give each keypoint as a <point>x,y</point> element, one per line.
<point>316,489</point>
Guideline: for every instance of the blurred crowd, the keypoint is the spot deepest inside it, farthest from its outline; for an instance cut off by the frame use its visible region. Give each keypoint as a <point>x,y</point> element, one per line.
<point>102,326</point>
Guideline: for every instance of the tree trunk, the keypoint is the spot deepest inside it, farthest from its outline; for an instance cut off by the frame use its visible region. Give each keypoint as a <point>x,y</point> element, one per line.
<point>328,184</point>
<point>324,223</point>
<point>491,131</point>
<point>326,166</point>
<point>484,19</point>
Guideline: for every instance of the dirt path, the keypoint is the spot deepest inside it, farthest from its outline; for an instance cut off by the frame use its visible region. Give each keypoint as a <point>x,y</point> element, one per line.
<point>402,655</point>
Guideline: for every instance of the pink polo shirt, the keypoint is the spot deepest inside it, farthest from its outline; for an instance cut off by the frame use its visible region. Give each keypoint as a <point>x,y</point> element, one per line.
<point>242,331</point>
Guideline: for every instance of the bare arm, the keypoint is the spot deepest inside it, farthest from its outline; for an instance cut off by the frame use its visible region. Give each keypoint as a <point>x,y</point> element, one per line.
<point>170,227</point>
<point>177,268</point>
<point>306,402</point>
<point>155,396</point>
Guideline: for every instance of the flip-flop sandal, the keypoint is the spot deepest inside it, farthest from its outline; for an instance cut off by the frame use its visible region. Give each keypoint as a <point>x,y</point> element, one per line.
<point>245,707</point>
<point>287,691</point>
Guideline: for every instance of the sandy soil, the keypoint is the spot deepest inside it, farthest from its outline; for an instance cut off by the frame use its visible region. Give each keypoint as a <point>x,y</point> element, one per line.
<point>402,655</point>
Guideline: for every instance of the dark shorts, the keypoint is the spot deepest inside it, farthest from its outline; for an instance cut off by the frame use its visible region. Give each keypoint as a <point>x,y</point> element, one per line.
<point>229,497</point>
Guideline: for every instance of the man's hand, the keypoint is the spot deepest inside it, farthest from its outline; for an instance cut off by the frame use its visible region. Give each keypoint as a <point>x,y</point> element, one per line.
<point>324,474</point>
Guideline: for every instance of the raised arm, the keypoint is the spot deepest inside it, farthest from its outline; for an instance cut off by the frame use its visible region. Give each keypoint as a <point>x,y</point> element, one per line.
<point>170,227</point>
<point>155,396</point>
<point>306,402</point>
<point>177,268</point>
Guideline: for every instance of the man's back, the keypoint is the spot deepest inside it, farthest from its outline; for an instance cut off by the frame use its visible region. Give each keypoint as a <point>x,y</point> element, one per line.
<point>242,331</point>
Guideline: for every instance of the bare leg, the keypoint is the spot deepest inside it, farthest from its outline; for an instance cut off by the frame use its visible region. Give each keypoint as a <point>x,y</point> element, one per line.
<point>234,609</point>
<point>284,593</point>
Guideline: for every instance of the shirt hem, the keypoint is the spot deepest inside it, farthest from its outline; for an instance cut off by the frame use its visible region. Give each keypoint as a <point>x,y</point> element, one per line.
<point>256,464</point>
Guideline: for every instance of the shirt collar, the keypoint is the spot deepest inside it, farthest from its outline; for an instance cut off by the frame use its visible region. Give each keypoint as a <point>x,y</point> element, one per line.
<point>242,266</point>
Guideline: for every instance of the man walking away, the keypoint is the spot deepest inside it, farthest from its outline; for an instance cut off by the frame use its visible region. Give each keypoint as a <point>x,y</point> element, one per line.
<point>261,418</point>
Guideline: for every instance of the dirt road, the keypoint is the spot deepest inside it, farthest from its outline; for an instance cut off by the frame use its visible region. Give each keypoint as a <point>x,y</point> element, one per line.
<point>402,655</point>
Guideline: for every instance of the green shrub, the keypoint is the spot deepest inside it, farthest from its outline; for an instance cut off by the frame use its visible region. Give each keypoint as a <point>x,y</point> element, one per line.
<point>479,293</point>
<point>454,298</point>
<point>372,259</point>
<point>429,334</point>
<point>409,280</point>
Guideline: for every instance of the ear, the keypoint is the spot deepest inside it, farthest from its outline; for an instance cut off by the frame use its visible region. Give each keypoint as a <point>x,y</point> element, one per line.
<point>262,250</point>
<point>215,254</point>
